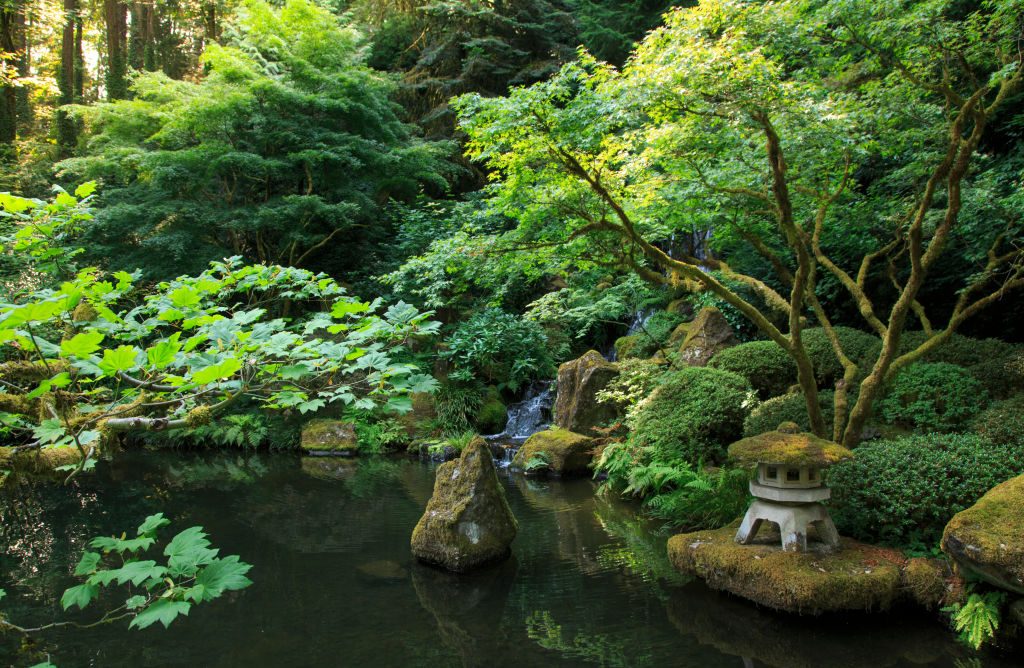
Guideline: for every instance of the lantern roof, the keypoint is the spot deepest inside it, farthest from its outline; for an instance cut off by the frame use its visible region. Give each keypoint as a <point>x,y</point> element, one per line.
<point>788,446</point>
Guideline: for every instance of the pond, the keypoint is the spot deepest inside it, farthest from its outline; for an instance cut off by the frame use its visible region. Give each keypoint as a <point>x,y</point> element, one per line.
<point>335,585</point>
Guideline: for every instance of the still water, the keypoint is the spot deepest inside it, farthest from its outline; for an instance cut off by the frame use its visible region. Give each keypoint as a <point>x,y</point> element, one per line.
<point>334,583</point>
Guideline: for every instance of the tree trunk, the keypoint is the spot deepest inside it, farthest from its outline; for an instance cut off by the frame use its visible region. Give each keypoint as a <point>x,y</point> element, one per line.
<point>8,74</point>
<point>24,45</point>
<point>115,14</point>
<point>69,78</point>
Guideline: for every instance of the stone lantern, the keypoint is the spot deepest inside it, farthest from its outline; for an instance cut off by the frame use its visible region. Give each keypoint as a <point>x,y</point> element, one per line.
<point>788,490</point>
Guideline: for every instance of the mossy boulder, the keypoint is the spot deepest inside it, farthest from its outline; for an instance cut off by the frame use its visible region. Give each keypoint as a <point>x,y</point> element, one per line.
<point>708,334</point>
<point>987,539</point>
<point>633,345</point>
<point>468,522</point>
<point>856,577</point>
<point>566,453</point>
<point>788,446</point>
<point>576,406</point>
<point>329,437</point>
<point>492,415</point>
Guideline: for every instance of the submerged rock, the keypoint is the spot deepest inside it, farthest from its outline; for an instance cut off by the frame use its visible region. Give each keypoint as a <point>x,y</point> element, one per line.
<point>706,336</point>
<point>987,539</point>
<point>467,522</point>
<point>857,577</point>
<point>565,452</point>
<point>383,570</point>
<point>329,437</point>
<point>576,407</point>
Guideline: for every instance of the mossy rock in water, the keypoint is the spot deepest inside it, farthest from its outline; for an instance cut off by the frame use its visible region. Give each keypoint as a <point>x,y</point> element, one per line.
<point>330,437</point>
<point>856,577</point>
<point>468,522</point>
<point>788,446</point>
<point>987,539</point>
<point>579,381</point>
<point>567,453</point>
<point>493,414</point>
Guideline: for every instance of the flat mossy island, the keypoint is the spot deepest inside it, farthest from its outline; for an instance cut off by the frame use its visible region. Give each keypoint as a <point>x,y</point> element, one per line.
<point>856,577</point>
<point>329,437</point>
<point>468,522</point>
<point>987,539</point>
<point>565,453</point>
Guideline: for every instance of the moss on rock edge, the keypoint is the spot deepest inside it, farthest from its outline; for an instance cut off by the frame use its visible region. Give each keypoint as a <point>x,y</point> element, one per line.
<point>467,522</point>
<point>987,539</point>
<point>567,453</point>
<point>857,577</point>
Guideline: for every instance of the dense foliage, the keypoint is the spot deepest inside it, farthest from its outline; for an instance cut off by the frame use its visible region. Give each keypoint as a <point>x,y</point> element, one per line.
<point>904,491</point>
<point>286,146</point>
<point>692,416</point>
<point>933,396</point>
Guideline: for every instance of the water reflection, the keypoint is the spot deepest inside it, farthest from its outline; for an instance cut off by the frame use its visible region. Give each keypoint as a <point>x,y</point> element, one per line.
<point>335,584</point>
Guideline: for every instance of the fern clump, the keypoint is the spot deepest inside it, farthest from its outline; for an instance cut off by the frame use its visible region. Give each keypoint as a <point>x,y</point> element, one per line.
<point>977,619</point>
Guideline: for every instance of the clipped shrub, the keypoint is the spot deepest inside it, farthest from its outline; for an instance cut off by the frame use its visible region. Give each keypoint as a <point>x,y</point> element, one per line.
<point>862,348</point>
<point>788,408</point>
<point>767,367</point>
<point>692,416</point>
<point>997,364</point>
<point>902,492</point>
<point>1002,422</point>
<point>933,397</point>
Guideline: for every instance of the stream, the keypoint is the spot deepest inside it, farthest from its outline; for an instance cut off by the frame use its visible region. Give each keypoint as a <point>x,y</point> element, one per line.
<point>334,583</point>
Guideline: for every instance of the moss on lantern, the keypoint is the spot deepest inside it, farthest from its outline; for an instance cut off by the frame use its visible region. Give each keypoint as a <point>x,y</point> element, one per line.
<point>788,446</point>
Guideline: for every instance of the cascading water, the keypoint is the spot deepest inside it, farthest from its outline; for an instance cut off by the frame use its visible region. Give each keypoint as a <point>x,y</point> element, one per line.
<point>525,418</point>
<point>636,325</point>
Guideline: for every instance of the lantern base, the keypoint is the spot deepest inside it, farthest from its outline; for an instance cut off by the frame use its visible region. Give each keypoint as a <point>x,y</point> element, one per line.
<point>793,521</point>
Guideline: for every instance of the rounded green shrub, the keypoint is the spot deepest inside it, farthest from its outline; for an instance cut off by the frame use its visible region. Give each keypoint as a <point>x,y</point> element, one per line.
<point>788,408</point>
<point>903,492</point>
<point>767,367</point>
<point>1002,422</point>
<point>692,416</point>
<point>997,364</point>
<point>933,397</point>
<point>862,348</point>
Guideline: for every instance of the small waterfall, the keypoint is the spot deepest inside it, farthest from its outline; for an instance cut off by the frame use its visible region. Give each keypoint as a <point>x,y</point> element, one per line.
<point>528,416</point>
<point>639,321</point>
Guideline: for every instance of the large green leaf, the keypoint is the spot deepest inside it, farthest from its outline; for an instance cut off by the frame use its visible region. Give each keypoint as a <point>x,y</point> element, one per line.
<point>118,359</point>
<point>163,611</point>
<point>188,551</point>
<point>221,575</point>
<point>152,523</point>
<point>162,354</point>
<point>80,595</point>
<point>215,372</point>
<point>82,345</point>
<point>135,572</point>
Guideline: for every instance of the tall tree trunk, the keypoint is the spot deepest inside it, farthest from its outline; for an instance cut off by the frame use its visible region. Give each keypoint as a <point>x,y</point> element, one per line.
<point>69,80</point>
<point>115,15</point>
<point>8,74</point>
<point>23,42</point>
